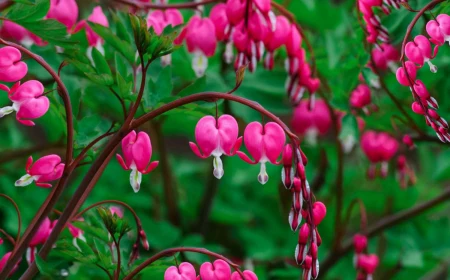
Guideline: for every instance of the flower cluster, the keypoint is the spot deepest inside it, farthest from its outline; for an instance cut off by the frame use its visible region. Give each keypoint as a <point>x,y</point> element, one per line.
<point>379,147</point>
<point>218,270</point>
<point>419,52</point>
<point>364,263</point>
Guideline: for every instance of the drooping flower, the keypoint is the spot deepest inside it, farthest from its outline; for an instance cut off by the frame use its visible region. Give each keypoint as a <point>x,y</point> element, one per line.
<point>161,19</point>
<point>200,38</point>
<point>28,100</point>
<point>221,22</point>
<point>46,169</point>
<point>359,243</point>
<point>137,151</point>
<point>216,137</point>
<point>116,210</point>
<point>411,73</point>
<point>311,122</point>
<point>385,56</point>
<point>4,260</point>
<point>12,31</point>
<point>275,39</point>
<point>361,97</point>
<point>265,144</point>
<point>185,271</point>
<point>439,29</point>
<point>379,148</point>
<point>249,275</point>
<point>367,264</point>
<point>97,16</point>
<point>219,270</point>
<point>419,51</point>
<point>64,11</point>
<point>12,68</point>
<point>39,238</point>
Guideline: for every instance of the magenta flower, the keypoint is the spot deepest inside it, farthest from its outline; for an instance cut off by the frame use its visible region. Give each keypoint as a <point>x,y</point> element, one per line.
<point>249,275</point>
<point>137,151</point>
<point>265,144</point>
<point>13,31</point>
<point>39,238</point>
<point>215,138</point>
<point>361,97</point>
<point>368,263</point>
<point>97,16</point>
<point>235,11</point>
<point>46,169</point>
<point>11,68</point>
<point>311,122</point>
<point>319,212</point>
<point>419,52</point>
<point>359,243</point>
<point>116,210</point>
<point>4,260</point>
<point>379,148</point>
<point>161,19</point>
<point>439,29</point>
<point>185,271</point>
<point>28,100</point>
<point>219,17</point>
<point>275,39</point>
<point>402,77</point>
<point>288,172</point>
<point>385,56</point>
<point>201,40</point>
<point>219,270</point>
<point>64,11</point>
<point>301,249</point>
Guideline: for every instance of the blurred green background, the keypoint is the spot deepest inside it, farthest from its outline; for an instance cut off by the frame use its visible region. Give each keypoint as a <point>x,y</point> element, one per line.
<point>237,216</point>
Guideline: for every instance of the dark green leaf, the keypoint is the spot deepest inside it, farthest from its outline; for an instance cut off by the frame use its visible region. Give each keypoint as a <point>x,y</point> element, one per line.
<point>27,12</point>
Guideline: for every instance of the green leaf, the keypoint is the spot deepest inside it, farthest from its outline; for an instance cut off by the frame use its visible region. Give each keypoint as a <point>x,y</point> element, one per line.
<point>44,267</point>
<point>140,32</point>
<point>195,87</point>
<point>349,128</point>
<point>101,64</point>
<point>51,31</point>
<point>23,12</point>
<point>159,90</point>
<point>120,45</point>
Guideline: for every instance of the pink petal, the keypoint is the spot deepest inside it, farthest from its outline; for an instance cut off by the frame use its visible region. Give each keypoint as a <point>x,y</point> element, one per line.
<point>45,165</point>
<point>274,139</point>
<point>42,233</point>
<point>64,11</point>
<point>54,175</point>
<point>127,146</point>
<point>228,132</point>
<point>142,151</point>
<point>207,135</point>
<point>33,108</point>
<point>121,162</point>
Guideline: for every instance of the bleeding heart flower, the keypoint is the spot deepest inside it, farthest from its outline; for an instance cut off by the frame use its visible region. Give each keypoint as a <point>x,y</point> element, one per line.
<point>385,56</point>
<point>161,19</point>
<point>235,11</point>
<point>402,78</point>
<point>39,238</point>
<point>249,275</point>
<point>46,169</point>
<point>11,68</point>
<point>219,17</point>
<point>439,29</point>
<point>275,39</point>
<point>220,270</point>
<point>4,260</point>
<point>185,271</point>
<point>137,151</point>
<point>64,11</point>
<point>419,52</point>
<point>216,137</point>
<point>378,147</point>
<point>28,101</point>
<point>319,212</point>
<point>368,263</point>
<point>201,40</point>
<point>360,97</point>
<point>359,243</point>
<point>93,38</point>
<point>311,122</point>
<point>116,210</point>
<point>287,173</point>
<point>13,31</point>
<point>265,144</point>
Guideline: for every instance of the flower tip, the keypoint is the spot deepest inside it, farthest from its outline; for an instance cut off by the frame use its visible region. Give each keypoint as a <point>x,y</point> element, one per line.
<point>263,178</point>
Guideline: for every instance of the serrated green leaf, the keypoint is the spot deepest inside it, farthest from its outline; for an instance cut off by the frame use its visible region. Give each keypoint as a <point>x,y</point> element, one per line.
<point>44,267</point>
<point>28,12</point>
<point>100,63</point>
<point>51,31</point>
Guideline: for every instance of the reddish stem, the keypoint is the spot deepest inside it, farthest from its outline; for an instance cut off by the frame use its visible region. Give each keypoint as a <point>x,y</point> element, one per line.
<point>188,5</point>
<point>169,252</point>
<point>19,218</point>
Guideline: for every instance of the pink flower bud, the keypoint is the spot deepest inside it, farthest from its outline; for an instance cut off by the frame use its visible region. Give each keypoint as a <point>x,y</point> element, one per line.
<point>361,97</point>
<point>248,275</point>
<point>279,37</point>
<point>294,219</point>
<point>316,120</point>
<point>46,169</point>
<point>421,90</point>
<point>319,212</point>
<point>185,271</point>
<point>402,78</point>
<point>64,11</point>
<point>28,101</point>
<point>137,151</point>
<point>359,243</point>
<point>215,138</point>
<point>265,144</point>
<point>161,19</point>
<point>417,108</point>
<point>11,68</point>
<point>98,17</point>
<point>307,264</point>
<point>419,52</point>
<point>116,210</point>
<point>368,263</point>
<point>439,29</point>
<point>293,42</point>
<point>385,56</point>
<point>220,270</point>
<point>303,234</point>
<point>407,140</point>
<point>287,173</point>
<point>219,17</point>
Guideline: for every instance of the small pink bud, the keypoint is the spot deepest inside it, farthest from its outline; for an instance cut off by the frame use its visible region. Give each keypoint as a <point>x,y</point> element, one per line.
<point>11,68</point>
<point>407,140</point>
<point>287,173</point>
<point>319,212</point>
<point>402,78</point>
<point>361,97</point>
<point>116,210</point>
<point>4,260</point>
<point>303,234</point>
<point>359,243</point>
<point>294,219</point>
<point>417,108</point>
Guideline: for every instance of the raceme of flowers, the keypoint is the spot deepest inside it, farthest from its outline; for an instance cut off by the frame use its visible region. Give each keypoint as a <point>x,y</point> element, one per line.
<point>419,52</point>
<point>364,263</point>
<point>218,270</point>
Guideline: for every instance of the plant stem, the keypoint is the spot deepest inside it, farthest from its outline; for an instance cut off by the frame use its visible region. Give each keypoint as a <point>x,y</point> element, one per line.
<point>189,5</point>
<point>383,224</point>
<point>19,218</point>
<point>169,252</point>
